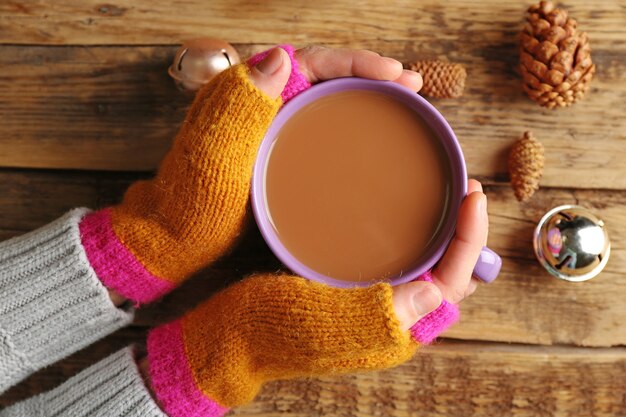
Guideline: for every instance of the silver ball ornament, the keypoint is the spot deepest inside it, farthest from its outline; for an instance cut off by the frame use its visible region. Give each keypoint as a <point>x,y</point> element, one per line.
<point>199,60</point>
<point>571,243</point>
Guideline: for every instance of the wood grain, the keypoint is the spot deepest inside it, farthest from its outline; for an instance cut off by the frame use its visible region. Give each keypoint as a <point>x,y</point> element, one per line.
<point>455,379</point>
<point>87,108</point>
<point>448,379</point>
<point>325,21</point>
<point>114,108</point>
<point>524,305</point>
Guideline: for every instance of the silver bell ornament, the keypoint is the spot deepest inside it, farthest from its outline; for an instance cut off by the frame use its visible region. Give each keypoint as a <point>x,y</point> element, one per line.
<point>572,243</point>
<point>199,60</point>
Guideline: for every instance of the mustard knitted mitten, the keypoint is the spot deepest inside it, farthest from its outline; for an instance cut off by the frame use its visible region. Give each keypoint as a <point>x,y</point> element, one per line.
<point>271,327</point>
<point>193,210</point>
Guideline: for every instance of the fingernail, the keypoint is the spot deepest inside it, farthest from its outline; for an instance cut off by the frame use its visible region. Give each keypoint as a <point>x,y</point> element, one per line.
<point>427,299</point>
<point>482,205</point>
<point>418,81</point>
<point>272,62</point>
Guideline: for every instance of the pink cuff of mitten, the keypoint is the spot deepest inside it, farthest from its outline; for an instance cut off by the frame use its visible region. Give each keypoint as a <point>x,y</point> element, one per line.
<point>297,81</point>
<point>436,322</point>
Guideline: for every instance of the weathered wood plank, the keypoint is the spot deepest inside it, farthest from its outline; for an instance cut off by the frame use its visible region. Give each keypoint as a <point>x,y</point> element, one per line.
<point>30,199</point>
<point>524,305</point>
<point>341,22</point>
<point>448,379</point>
<point>463,380</point>
<point>114,108</point>
<point>526,300</point>
<point>87,108</point>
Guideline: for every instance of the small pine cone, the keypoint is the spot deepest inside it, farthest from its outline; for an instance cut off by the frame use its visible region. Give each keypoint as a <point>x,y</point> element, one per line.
<point>555,59</point>
<point>526,166</point>
<point>441,79</point>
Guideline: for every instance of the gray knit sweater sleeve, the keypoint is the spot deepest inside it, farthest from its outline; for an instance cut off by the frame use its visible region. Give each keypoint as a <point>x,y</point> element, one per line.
<point>112,387</point>
<point>51,301</point>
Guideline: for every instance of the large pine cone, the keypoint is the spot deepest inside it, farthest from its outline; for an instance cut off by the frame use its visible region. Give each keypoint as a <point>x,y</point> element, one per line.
<point>555,58</point>
<point>441,79</point>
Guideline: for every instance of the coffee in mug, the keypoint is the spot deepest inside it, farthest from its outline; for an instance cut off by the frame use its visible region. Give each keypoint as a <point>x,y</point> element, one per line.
<point>357,186</point>
<point>358,181</point>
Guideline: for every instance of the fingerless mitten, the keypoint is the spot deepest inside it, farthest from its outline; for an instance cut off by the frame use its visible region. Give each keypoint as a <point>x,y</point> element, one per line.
<point>193,210</point>
<point>266,328</point>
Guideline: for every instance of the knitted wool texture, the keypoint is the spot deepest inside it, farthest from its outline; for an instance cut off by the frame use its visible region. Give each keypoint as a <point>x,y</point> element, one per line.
<point>111,387</point>
<point>267,328</point>
<point>51,301</point>
<point>193,210</point>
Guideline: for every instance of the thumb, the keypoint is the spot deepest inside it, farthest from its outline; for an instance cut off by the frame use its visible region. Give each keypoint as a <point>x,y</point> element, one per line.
<point>414,300</point>
<point>272,73</point>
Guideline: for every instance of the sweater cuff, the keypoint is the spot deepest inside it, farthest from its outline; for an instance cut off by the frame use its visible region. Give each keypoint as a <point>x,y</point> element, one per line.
<point>111,387</point>
<point>429,327</point>
<point>171,377</point>
<point>51,302</point>
<point>297,82</point>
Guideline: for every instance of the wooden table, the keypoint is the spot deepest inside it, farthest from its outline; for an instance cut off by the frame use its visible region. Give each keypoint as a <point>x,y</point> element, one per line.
<point>86,107</point>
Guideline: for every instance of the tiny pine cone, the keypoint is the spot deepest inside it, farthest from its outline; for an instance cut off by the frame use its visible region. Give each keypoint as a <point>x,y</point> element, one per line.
<point>526,162</point>
<point>441,79</point>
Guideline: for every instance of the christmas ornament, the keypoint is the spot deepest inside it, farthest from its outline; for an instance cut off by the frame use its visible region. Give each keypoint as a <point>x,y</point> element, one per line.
<point>441,79</point>
<point>571,243</point>
<point>526,166</point>
<point>555,59</point>
<point>199,60</point>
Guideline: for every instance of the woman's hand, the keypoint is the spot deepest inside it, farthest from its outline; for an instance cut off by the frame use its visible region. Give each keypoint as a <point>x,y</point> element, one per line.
<point>272,327</point>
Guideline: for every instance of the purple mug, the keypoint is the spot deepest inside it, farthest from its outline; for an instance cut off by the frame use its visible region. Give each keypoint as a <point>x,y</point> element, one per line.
<point>489,263</point>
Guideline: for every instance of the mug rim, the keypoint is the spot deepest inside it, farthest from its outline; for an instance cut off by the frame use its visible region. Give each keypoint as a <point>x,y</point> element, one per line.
<point>419,105</point>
